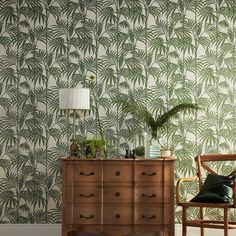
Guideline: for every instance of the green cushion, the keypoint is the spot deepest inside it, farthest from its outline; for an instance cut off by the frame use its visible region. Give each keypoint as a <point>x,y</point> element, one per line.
<point>216,189</point>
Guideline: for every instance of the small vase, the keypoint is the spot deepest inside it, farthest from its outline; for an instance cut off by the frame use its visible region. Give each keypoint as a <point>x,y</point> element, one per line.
<point>154,149</point>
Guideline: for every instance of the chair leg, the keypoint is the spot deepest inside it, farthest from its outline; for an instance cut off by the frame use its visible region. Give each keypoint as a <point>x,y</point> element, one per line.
<point>201,217</point>
<point>184,226</point>
<point>226,222</point>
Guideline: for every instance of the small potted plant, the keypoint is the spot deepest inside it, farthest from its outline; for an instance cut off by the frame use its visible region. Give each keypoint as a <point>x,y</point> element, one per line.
<point>93,147</point>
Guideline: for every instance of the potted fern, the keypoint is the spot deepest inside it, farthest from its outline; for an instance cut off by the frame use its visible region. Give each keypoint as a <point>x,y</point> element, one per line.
<point>152,122</point>
<point>93,147</point>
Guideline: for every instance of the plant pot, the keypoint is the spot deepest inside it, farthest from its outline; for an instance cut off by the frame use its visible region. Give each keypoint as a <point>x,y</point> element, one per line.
<point>165,153</point>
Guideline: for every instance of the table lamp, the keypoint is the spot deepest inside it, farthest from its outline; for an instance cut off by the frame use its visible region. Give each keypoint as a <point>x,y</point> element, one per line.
<point>74,99</point>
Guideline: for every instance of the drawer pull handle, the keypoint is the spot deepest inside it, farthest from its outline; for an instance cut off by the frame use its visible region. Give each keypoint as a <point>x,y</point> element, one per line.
<point>149,217</point>
<point>86,195</point>
<point>86,174</point>
<point>151,174</point>
<point>86,217</point>
<point>117,194</point>
<point>117,216</point>
<point>117,173</point>
<point>148,195</point>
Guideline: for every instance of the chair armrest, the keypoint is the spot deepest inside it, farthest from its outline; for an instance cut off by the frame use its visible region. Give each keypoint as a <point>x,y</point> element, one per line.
<point>178,186</point>
<point>234,193</point>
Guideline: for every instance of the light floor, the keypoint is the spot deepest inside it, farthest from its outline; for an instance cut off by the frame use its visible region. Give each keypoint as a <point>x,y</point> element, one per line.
<point>55,230</point>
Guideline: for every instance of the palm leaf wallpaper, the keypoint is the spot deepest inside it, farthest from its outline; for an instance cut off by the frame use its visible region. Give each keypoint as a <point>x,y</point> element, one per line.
<point>159,52</point>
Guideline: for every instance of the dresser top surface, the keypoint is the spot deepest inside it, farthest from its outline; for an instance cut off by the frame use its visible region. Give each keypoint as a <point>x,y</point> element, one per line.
<point>120,159</point>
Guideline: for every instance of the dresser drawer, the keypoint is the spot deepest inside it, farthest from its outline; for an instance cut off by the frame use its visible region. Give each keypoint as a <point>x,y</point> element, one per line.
<point>83,215</point>
<point>83,194</point>
<point>151,215</point>
<point>152,194</point>
<point>117,215</point>
<point>152,172</point>
<point>117,194</point>
<point>84,173</point>
<point>117,172</point>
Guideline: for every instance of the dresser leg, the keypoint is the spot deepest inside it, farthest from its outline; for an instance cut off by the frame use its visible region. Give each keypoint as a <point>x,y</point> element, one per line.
<point>63,231</point>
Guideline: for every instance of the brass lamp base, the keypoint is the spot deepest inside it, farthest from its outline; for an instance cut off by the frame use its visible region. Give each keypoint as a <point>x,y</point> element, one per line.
<point>74,148</point>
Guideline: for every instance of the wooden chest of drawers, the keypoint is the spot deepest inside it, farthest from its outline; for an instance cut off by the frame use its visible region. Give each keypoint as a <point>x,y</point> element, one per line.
<point>118,196</point>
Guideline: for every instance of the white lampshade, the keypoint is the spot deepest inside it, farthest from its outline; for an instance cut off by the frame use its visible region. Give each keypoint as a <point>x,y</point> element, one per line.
<point>74,99</point>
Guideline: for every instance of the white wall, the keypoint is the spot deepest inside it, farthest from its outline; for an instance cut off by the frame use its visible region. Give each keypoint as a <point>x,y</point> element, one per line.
<point>55,230</point>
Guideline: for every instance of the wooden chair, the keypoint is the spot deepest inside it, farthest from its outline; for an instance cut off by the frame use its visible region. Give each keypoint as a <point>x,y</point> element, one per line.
<point>203,164</point>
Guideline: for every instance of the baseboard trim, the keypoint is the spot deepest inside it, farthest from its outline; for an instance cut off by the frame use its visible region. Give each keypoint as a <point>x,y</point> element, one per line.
<point>30,229</point>
<point>55,230</point>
